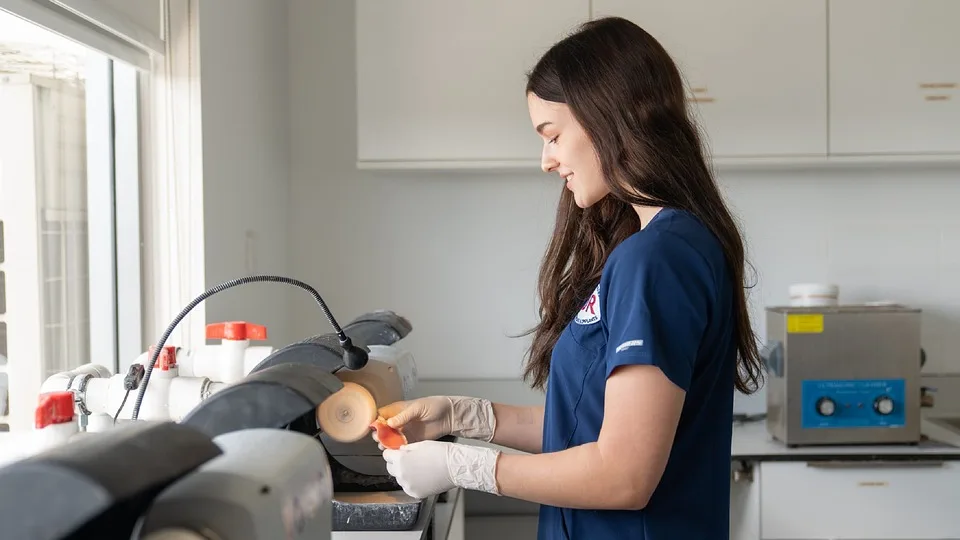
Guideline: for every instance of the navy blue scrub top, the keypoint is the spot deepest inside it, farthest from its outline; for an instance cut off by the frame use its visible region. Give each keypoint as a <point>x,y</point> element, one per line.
<point>665,298</point>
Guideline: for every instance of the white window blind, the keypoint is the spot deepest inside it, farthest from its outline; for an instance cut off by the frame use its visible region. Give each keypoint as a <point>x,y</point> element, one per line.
<point>127,30</point>
<point>137,21</point>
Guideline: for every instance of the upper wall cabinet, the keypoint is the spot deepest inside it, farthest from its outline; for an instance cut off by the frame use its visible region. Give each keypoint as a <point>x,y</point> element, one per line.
<point>442,81</point>
<point>755,69</point>
<point>894,76</point>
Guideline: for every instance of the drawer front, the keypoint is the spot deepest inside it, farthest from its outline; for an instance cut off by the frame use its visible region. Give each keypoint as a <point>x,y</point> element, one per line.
<point>860,501</point>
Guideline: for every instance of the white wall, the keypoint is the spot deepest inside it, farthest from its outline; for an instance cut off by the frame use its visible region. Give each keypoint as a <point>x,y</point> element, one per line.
<point>459,254</point>
<point>246,161</point>
<point>880,234</point>
<point>403,237</point>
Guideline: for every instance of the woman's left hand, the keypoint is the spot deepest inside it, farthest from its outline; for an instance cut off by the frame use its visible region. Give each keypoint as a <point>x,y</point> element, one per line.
<point>428,468</point>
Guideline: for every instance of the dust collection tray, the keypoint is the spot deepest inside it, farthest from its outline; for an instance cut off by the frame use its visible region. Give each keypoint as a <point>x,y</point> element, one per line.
<point>371,502</point>
<point>381,511</point>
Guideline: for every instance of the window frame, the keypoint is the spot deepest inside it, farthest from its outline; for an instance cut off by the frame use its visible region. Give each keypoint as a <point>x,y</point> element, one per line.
<point>172,185</point>
<point>113,212</point>
<point>147,190</point>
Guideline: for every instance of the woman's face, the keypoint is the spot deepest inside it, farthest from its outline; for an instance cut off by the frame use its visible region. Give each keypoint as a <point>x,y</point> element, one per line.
<point>567,150</point>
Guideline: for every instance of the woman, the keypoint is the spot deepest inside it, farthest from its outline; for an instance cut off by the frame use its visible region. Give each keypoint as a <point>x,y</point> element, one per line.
<point>644,320</point>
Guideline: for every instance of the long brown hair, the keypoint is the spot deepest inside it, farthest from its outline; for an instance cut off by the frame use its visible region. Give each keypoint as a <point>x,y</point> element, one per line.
<point>628,94</point>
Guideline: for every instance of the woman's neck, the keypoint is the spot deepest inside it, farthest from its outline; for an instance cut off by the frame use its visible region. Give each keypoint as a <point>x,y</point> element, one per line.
<point>646,214</point>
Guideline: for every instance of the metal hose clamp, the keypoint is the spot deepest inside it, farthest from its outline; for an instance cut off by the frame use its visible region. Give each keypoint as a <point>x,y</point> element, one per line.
<point>78,385</point>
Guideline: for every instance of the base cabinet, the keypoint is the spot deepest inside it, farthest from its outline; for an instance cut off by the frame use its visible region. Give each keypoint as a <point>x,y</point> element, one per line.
<point>914,500</point>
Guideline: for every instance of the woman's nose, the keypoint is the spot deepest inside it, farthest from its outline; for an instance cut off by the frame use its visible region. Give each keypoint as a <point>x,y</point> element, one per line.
<point>547,162</point>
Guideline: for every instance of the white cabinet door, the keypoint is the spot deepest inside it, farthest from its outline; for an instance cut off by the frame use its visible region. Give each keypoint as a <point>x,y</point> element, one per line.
<point>756,69</point>
<point>745,506</point>
<point>894,76</point>
<point>442,80</point>
<point>854,501</point>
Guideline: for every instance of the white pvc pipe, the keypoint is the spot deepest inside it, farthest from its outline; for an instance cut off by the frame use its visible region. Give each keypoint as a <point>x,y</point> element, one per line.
<point>59,382</point>
<point>99,422</point>
<point>253,356</point>
<point>184,394</point>
<point>188,361</point>
<point>168,396</point>
<point>228,362</point>
<point>97,396</point>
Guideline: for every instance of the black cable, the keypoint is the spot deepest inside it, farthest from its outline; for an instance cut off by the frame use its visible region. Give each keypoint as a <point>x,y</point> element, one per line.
<point>120,408</point>
<point>352,355</point>
<point>130,381</point>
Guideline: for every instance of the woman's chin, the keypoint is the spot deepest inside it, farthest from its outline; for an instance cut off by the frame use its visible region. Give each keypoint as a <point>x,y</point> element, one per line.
<point>582,201</point>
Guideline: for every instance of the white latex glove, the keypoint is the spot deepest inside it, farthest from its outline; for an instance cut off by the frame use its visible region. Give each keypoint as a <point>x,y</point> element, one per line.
<point>433,417</point>
<point>431,467</point>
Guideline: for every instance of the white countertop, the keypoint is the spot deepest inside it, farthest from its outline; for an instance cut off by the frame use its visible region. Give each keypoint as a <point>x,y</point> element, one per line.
<point>752,442</point>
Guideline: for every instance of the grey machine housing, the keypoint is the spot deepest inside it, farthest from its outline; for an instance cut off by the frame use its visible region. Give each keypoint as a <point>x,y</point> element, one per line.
<point>266,481</point>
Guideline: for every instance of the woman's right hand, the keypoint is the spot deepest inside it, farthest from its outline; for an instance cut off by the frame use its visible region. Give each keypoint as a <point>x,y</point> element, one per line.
<point>430,418</point>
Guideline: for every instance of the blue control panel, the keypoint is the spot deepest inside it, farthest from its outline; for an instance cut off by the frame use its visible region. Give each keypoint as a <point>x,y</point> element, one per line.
<point>854,403</point>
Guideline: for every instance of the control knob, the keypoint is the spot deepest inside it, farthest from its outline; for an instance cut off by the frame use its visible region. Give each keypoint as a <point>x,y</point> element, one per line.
<point>883,405</point>
<point>826,406</point>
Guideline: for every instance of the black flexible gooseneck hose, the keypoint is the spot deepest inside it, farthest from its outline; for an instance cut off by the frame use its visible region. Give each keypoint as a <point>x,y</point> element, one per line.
<point>354,357</point>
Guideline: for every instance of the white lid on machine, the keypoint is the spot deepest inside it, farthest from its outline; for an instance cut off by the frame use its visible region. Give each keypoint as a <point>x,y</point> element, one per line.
<point>814,294</point>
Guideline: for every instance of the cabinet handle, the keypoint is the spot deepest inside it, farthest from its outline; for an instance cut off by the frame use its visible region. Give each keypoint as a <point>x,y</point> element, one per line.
<point>696,99</point>
<point>928,86</point>
<point>936,98</point>
<point>699,90</point>
<point>875,464</point>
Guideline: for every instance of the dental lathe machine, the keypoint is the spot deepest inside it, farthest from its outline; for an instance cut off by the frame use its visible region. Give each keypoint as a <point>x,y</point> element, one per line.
<point>244,442</point>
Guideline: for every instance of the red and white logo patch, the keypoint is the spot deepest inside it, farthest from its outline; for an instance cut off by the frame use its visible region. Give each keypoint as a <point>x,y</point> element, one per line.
<point>590,312</point>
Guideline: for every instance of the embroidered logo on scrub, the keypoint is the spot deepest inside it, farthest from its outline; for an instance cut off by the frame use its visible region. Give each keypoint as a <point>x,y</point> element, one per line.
<point>590,312</point>
<point>628,344</point>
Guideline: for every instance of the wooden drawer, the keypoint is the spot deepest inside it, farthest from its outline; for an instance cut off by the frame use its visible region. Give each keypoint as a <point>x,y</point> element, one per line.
<point>860,501</point>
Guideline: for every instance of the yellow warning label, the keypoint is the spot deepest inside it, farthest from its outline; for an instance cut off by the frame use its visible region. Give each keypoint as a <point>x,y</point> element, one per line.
<point>805,324</point>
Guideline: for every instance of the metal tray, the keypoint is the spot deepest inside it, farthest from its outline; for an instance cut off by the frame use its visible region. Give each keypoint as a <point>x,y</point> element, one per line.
<point>376,511</point>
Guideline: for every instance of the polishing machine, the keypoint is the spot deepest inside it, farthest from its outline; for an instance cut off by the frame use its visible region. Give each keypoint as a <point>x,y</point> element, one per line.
<point>305,409</point>
<point>153,480</point>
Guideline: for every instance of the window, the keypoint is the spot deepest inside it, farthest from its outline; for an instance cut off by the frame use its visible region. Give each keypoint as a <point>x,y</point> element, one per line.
<point>69,208</point>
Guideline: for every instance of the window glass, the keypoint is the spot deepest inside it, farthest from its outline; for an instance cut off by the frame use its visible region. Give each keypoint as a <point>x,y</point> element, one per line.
<point>53,178</point>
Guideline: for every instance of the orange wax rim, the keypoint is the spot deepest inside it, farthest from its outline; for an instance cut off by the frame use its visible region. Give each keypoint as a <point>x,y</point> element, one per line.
<point>388,436</point>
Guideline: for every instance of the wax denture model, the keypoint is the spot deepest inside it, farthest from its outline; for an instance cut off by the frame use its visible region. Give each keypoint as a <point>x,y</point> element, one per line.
<point>388,436</point>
